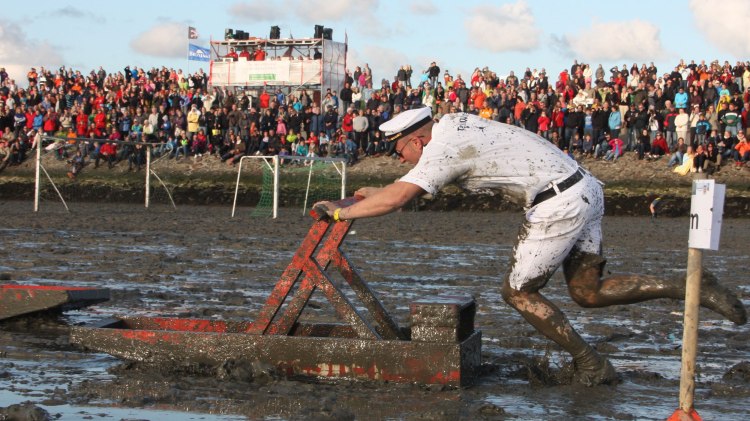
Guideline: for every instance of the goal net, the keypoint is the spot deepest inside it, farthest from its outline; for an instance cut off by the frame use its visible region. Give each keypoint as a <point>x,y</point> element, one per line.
<point>70,170</point>
<point>269,182</point>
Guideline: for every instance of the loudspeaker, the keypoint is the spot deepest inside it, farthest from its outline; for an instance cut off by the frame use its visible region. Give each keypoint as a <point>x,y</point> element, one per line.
<point>229,33</point>
<point>328,33</point>
<point>275,32</point>
<point>241,35</point>
<point>318,31</point>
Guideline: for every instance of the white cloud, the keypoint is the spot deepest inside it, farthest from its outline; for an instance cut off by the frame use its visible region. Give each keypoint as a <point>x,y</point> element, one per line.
<point>422,7</point>
<point>18,53</point>
<point>168,39</point>
<point>332,10</point>
<point>612,41</point>
<point>311,11</point>
<point>359,15</point>
<point>724,24</point>
<point>256,10</point>
<point>70,11</point>
<point>76,13</point>
<point>503,28</point>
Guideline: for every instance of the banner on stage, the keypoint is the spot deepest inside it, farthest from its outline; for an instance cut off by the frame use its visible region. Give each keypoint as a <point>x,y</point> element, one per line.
<point>270,71</point>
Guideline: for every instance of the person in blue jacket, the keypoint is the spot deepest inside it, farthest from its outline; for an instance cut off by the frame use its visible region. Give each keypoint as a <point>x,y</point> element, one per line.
<point>681,99</point>
<point>615,120</point>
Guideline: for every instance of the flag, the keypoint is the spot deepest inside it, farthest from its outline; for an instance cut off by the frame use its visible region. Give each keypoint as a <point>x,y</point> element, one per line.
<point>198,53</point>
<point>192,33</point>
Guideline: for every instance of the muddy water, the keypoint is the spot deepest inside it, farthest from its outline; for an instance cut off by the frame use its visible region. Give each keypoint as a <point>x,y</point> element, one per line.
<point>197,262</point>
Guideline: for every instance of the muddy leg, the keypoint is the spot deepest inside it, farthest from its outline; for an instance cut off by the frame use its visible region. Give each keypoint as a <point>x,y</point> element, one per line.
<point>583,274</point>
<point>590,367</point>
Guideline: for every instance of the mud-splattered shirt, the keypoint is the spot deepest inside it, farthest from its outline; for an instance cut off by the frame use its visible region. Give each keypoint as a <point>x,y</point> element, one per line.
<point>483,155</point>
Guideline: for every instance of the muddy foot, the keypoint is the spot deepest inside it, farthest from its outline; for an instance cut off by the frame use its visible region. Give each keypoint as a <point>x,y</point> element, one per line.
<point>719,299</point>
<point>594,370</point>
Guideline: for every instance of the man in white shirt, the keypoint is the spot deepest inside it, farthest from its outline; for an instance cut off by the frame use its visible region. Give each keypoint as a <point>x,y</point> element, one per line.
<point>564,207</point>
<point>682,124</point>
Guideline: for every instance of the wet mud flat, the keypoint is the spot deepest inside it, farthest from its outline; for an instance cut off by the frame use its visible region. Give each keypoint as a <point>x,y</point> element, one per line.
<point>198,262</point>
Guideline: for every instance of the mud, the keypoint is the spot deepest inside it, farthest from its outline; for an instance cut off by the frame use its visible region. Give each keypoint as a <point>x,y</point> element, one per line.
<point>198,262</point>
<point>25,412</point>
<point>627,201</point>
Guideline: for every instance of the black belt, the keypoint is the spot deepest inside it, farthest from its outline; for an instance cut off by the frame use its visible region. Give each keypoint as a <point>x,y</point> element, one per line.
<point>561,187</point>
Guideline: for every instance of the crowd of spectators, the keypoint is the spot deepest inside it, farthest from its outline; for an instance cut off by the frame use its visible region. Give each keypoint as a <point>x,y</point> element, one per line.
<point>694,114</point>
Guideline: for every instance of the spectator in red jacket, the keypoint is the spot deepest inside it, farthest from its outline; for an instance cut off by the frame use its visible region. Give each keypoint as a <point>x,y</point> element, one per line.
<point>558,120</point>
<point>544,124</point>
<point>107,152</point>
<point>232,54</point>
<point>49,125</point>
<point>30,114</point>
<point>615,149</point>
<point>100,123</point>
<point>347,123</point>
<point>265,100</point>
<point>259,55</point>
<point>82,124</point>
<point>659,147</point>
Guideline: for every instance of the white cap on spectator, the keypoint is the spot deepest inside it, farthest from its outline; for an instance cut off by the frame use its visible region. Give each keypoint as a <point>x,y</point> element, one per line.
<point>406,122</point>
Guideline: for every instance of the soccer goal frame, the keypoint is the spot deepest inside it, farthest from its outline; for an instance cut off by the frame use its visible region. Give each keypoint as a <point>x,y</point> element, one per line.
<point>40,169</point>
<point>273,163</point>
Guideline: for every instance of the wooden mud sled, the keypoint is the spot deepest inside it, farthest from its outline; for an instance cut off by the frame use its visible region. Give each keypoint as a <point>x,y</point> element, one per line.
<point>21,300</point>
<point>439,347</point>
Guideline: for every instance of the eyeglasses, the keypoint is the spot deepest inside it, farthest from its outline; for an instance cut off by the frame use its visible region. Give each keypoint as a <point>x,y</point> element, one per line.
<point>399,153</point>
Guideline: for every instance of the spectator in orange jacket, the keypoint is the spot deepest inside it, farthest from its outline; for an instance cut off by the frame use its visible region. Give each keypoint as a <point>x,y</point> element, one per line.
<point>741,152</point>
<point>478,96</point>
<point>520,106</point>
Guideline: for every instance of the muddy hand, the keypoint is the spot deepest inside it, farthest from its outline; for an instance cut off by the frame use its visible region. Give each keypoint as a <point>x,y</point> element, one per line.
<point>325,207</point>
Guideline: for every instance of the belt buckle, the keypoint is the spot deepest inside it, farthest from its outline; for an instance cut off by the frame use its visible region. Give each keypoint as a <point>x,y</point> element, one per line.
<point>555,188</point>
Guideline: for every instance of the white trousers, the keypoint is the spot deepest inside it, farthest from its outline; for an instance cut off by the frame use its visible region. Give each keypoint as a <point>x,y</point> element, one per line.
<point>570,219</point>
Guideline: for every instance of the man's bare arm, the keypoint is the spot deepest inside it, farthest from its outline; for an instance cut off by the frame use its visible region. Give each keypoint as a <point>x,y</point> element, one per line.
<point>380,202</point>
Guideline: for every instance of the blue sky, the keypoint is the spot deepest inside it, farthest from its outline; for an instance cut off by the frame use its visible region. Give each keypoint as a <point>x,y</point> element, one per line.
<point>502,35</point>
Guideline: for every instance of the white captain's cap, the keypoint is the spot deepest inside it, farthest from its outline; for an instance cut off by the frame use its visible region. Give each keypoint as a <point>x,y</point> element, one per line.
<point>406,122</point>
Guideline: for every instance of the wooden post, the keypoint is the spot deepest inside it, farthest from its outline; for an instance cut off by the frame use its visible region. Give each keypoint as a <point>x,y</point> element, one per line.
<point>690,330</point>
<point>37,180</point>
<point>148,175</point>
<point>706,210</point>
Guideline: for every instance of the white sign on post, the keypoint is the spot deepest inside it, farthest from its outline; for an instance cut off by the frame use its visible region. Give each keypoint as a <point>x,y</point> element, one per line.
<point>706,212</point>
